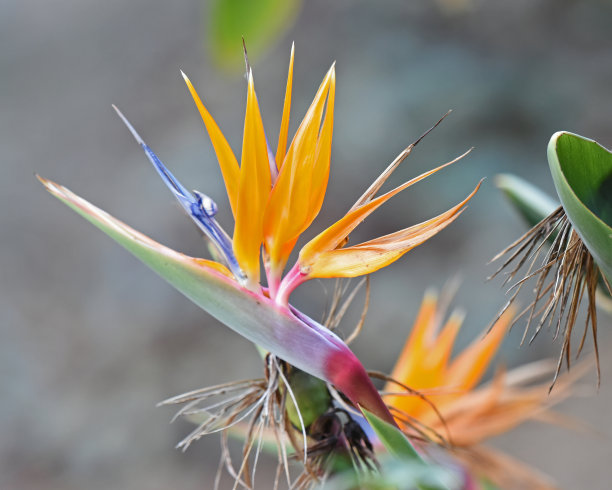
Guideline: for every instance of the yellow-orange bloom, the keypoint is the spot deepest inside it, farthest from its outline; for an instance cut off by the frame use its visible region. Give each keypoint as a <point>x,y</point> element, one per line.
<point>452,408</point>
<point>275,197</point>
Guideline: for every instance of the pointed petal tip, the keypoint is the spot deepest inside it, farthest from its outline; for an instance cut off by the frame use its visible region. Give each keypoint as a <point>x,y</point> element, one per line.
<point>250,83</point>
<point>51,186</point>
<point>457,316</point>
<point>246,55</point>
<point>129,125</point>
<point>431,295</point>
<point>466,153</point>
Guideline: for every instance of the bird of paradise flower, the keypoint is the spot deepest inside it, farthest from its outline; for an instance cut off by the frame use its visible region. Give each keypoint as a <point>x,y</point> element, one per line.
<point>274,198</point>
<point>453,410</point>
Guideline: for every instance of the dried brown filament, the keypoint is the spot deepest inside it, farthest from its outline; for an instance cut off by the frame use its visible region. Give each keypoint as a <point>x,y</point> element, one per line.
<point>563,271</point>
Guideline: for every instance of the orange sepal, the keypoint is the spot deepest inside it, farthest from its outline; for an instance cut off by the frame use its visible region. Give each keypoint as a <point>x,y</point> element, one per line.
<point>334,235</point>
<point>298,192</point>
<point>372,255</point>
<point>413,356</point>
<point>284,127</point>
<point>320,171</point>
<point>225,155</point>
<point>253,189</point>
<point>423,362</point>
<point>494,409</point>
<point>415,346</point>
<point>469,367</point>
<point>214,265</point>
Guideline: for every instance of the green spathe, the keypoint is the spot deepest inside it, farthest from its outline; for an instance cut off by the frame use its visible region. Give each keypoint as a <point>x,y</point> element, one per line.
<point>307,346</point>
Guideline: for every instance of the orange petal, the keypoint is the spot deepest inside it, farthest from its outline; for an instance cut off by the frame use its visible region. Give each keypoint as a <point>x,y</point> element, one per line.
<point>369,194</point>
<point>297,188</point>
<point>423,362</point>
<point>320,172</point>
<point>469,367</point>
<point>443,345</point>
<point>215,265</point>
<point>227,160</point>
<point>462,407</point>
<point>370,256</point>
<point>333,236</point>
<point>253,189</point>
<point>492,410</point>
<point>284,128</point>
<point>413,355</point>
<point>509,400</point>
<point>415,344</point>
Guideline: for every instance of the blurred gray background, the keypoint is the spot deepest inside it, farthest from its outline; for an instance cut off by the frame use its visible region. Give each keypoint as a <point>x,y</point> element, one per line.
<point>90,339</point>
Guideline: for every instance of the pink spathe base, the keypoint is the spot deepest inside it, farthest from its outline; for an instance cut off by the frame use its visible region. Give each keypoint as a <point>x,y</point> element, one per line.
<point>348,374</point>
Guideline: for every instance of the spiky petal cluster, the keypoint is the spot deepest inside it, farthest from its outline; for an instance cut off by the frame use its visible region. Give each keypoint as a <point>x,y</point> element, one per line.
<point>274,198</point>
<point>451,407</point>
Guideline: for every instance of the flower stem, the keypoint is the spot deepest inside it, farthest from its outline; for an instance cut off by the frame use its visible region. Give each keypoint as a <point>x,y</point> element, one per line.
<point>291,280</point>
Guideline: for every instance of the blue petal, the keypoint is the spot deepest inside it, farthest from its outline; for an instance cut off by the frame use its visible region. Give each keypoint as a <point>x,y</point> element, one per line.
<point>198,206</point>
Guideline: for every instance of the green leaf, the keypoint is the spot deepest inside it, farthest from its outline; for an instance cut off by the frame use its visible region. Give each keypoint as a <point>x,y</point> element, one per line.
<point>532,203</point>
<point>392,438</point>
<point>582,172</point>
<point>259,22</point>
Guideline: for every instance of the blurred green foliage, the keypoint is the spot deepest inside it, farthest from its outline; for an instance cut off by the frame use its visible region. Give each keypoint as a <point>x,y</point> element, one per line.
<point>259,22</point>
<point>531,202</point>
<point>398,475</point>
